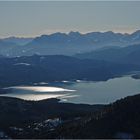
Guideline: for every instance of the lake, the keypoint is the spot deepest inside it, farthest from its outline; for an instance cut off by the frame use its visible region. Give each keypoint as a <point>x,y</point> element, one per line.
<point>81,91</point>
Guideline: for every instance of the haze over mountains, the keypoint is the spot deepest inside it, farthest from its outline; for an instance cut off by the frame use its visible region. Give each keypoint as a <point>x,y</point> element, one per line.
<point>69,69</point>
<point>129,54</point>
<point>18,40</point>
<point>68,57</point>
<point>93,56</point>
<point>65,44</point>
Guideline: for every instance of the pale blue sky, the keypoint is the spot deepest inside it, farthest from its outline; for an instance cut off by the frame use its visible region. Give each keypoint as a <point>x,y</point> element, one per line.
<point>35,18</point>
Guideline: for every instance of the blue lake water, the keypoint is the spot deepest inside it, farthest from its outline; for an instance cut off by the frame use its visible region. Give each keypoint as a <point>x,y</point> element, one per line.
<point>80,91</point>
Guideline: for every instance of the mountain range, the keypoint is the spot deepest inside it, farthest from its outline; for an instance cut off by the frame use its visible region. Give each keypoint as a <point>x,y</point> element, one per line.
<point>18,40</point>
<point>129,54</point>
<point>41,59</point>
<point>65,44</point>
<point>70,57</point>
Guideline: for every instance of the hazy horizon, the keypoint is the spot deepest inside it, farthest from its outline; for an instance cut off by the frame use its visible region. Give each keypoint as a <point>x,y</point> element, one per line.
<point>10,36</point>
<point>34,18</point>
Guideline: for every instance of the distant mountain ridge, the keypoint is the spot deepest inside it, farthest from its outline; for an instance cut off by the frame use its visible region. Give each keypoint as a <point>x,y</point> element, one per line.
<point>68,44</point>
<point>18,40</point>
<point>129,54</point>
